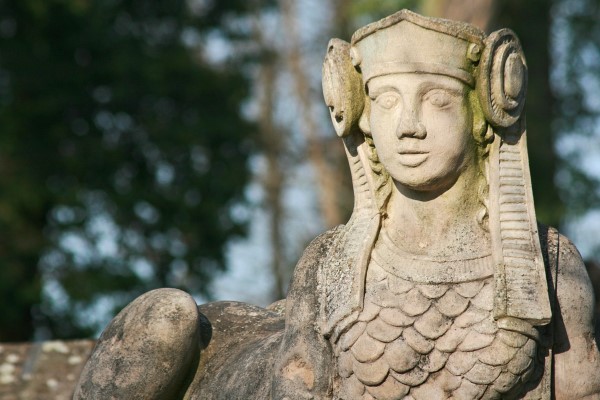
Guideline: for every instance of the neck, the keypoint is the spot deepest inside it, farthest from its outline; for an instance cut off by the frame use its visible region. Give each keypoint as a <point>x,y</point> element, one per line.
<point>442,223</point>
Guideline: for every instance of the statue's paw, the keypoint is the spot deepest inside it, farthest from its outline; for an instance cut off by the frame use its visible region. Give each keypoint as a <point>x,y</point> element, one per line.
<point>146,352</point>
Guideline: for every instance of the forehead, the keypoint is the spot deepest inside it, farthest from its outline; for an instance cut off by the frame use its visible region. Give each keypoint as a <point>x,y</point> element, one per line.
<point>410,81</point>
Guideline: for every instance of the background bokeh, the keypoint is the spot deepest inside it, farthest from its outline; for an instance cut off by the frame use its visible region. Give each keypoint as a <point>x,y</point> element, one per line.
<point>186,144</point>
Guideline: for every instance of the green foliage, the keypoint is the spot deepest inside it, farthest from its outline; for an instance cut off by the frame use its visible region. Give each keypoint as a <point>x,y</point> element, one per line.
<point>577,82</point>
<point>379,8</point>
<point>122,154</point>
<point>366,11</point>
<point>531,22</point>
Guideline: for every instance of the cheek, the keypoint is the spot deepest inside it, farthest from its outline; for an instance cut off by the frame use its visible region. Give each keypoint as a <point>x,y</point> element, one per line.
<point>458,141</point>
<point>382,128</point>
<point>436,122</point>
<point>451,141</point>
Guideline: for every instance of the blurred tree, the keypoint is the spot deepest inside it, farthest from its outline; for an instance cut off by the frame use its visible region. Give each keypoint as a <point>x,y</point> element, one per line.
<point>532,23</point>
<point>273,143</point>
<point>123,157</point>
<point>576,81</point>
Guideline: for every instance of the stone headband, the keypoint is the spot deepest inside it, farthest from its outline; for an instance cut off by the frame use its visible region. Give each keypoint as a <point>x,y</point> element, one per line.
<point>409,43</point>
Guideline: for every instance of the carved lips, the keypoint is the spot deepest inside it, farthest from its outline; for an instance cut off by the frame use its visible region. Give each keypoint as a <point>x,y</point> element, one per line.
<point>412,158</point>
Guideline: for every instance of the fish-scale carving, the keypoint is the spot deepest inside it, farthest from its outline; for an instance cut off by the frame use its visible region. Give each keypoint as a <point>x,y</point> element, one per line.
<point>428,391</point>
<point>414,303</point>
<point>415,340</point>
<point>369,312</point>
<point>519,363</point>
<point>487,327</point>
<point>482,374</point>
<point>447,381</point>
<point>395,317</point>
<point>400,356</point>
<point>371,373</point>
<point>469,390</point>
<point>367,349</point>
<point>345,360</point>
<point>399,285</point>
<point>498,353</point>
<point>382,331</point>
<point>485,298</point>
<point>427,343</point>
<point>383,297</point>
<point>367,396</point>
<point>412,378</point>
<point>352,335</point>
<point>432,324</point>
<point>469,289</point>
<point>376,274</point>
<point>389,389</point>
<point>351,388</point>
<point>531,348</point>
<point>532,373</point>
<point>460,363</point>
<point>451,339</point>
<point>433,291</point>
<point>475,341</point>
<point>470,317</point>
<point>434,361</point>
<point>452,304</point>
<point>505,381</point>
<point>491,394</point>
<point>512,339</point>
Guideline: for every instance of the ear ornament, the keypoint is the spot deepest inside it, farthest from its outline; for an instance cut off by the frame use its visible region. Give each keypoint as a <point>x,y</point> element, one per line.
<point>502,81</point>
<point>342,88</point>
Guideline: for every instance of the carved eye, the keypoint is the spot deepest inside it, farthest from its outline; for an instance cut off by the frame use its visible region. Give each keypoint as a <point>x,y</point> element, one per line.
<point>438,98</point>
<point>387,100</point>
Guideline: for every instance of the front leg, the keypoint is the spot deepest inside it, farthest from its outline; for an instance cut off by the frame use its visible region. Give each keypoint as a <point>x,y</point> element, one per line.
<point>146,352</point>
<point>304,367</point>
<point>304,370</point>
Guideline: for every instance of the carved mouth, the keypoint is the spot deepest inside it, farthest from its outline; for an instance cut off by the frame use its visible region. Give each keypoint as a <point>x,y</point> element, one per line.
<point>412,158</point>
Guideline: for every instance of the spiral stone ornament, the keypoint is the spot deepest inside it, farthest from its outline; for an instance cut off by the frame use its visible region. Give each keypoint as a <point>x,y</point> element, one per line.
<point>502,83</point>
<point>342,88</point>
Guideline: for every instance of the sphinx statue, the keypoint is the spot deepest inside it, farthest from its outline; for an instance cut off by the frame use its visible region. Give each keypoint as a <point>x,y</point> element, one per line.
<point>442,285</point>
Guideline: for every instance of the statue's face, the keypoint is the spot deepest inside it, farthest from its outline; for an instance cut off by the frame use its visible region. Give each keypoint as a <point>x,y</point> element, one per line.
<point>421,126</point>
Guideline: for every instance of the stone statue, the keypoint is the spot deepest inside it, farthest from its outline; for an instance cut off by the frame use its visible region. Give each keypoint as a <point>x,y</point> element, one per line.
<point>441,285</point>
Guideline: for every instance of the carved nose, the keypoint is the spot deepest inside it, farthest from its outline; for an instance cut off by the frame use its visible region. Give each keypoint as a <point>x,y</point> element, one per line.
<point>410,126</point>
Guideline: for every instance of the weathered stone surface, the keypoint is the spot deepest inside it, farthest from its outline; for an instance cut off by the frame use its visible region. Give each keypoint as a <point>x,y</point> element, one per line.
<point>159,328</point>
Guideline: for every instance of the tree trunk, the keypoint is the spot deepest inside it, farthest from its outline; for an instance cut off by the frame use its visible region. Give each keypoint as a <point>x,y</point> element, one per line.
<point>328,178</point>
<point>273,147</point>
<point>476,12</point>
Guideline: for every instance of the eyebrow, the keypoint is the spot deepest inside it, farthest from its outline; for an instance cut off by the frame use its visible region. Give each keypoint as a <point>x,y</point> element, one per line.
<point>423,88</point>
<point>381,90</point>
<point>427,86</point>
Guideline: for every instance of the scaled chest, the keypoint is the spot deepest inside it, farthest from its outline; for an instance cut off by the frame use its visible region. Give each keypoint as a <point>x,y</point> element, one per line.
<point>431,341</point>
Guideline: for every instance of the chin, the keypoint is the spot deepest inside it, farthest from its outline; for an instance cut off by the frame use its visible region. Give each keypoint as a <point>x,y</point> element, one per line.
<point>423,183</point>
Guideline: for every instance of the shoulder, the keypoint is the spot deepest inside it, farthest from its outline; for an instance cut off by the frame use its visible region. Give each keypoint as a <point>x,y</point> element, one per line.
<point>561,256</point>
<point>571,288</point>
<point>576,356</point>
<point>302,297</point>
<point>315,253</point>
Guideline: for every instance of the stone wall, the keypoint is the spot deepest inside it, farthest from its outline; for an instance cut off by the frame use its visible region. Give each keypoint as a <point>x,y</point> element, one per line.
<point>40,371</point>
